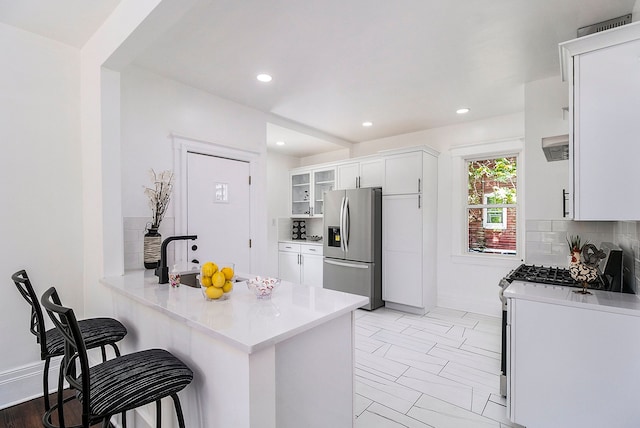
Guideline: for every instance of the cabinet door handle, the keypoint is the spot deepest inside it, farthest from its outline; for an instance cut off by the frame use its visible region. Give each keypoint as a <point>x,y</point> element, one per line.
<point>356,182</point>
<point>419,184</point>
<point>565,195</point>
<point>419,201</point>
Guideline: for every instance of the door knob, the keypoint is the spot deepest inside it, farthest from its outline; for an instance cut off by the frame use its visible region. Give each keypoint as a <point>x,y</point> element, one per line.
<point>194,247</point>
<point>195,261</point>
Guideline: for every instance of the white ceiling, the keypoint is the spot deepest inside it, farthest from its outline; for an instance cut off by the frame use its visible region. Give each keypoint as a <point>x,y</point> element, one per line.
<point>68,21</point>
<point>405,65</point>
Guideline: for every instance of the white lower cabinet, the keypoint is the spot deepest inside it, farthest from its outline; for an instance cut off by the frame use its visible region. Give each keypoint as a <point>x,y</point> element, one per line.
<point>564,351</point>
<point>300,263</point>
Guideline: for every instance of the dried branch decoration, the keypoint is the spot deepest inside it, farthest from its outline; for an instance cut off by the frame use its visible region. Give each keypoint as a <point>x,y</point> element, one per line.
<point>159,195</point>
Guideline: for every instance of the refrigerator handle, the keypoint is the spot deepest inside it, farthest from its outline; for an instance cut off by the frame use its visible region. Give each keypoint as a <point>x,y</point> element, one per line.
<point>347,224</point>
<point>342,224</point>
<point>347,264</point>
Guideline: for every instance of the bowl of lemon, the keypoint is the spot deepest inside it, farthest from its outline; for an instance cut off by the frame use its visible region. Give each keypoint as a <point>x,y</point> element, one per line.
<point>216,281</point>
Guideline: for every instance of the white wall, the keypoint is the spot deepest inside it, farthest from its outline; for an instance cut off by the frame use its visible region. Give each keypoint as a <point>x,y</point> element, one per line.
<point>278,167</point>
<point>333,156</point>
<point>544,100</point>
<point>152,108</point>
<point>41,192</point>
<point>462,283</point>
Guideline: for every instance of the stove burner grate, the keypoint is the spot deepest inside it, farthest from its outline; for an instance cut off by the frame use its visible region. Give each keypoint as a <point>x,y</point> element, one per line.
<point>548,275</point>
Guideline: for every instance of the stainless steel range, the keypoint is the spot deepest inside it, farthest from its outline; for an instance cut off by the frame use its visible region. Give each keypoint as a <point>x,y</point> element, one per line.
<point>609,279</point>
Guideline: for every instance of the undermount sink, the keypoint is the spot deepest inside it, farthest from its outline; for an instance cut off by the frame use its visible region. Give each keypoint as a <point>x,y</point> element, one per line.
<point>190,279</point>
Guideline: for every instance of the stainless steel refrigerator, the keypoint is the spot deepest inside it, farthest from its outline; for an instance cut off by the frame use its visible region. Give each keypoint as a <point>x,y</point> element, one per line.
<point>353,243</point>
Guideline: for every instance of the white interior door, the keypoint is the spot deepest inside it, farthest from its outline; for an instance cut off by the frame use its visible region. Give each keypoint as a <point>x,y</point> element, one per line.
<point>218,210</point>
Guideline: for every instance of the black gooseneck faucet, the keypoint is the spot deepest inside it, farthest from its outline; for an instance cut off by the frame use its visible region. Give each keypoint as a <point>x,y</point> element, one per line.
<point>162,271</point>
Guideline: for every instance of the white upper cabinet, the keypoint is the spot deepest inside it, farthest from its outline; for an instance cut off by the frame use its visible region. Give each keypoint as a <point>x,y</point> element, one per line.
<point>604,79</point>
<point>403,173</point>
<point>371,173</point>
<point>348,175</point>
<point>364,173</point>
<point>307,191</point>
<point>300,193</point>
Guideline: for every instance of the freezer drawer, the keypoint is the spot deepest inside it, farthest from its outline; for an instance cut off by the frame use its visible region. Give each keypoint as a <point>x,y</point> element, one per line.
<point>355,278</point>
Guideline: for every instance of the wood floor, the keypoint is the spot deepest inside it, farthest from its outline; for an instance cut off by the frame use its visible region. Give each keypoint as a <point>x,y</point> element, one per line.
<point>29,414</point>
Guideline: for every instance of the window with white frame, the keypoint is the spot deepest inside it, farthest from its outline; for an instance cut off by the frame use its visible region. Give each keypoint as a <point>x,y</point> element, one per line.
<point>491,205</point>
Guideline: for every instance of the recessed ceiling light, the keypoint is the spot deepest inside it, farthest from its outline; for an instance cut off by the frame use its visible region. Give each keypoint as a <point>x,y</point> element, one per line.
<point>279,143</point>
<point>463,110</point>
<point>264,77</point>
<point>367,124</point>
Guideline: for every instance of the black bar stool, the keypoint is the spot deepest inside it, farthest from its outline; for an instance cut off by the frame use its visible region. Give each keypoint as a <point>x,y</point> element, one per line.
<point>117,385</point>
<point>97,332</point>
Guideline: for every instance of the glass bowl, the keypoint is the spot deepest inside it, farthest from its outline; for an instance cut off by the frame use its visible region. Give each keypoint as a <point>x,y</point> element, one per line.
<point>263,286</point>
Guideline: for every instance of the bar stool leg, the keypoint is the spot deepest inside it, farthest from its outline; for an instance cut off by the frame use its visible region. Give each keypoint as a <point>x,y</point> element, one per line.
<point>45,383</point>
<point>176,403</point>
<point>158,414</point>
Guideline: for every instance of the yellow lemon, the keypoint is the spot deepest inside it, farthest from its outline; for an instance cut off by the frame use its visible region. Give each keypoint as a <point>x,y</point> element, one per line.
<point>228,273</point>
<point>205,281</point>
<point>209,268</point>
<point>228,286</point>
<point>214,293</point>
<point>218,279</point>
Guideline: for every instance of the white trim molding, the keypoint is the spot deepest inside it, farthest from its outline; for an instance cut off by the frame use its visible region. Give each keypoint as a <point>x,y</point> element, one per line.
<point>24,383</point>
<point>182,145</point>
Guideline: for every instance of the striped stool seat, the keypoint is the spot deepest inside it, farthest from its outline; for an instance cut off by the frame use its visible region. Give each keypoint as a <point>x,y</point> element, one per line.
<point>117,385</point>
<point>96,332</point>
<point>134,380</point>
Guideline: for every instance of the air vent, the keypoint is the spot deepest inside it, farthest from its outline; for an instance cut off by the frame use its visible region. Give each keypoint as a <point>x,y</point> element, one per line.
<point>604,25</point>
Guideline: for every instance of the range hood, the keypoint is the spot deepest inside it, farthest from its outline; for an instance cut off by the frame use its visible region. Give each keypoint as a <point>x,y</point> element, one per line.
<point>556,148</point>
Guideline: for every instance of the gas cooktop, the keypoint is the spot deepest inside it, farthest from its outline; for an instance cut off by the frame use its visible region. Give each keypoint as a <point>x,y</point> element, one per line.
<point>549,275</point>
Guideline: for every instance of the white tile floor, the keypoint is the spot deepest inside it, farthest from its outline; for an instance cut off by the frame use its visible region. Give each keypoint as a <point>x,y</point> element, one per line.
<point>440,370</point>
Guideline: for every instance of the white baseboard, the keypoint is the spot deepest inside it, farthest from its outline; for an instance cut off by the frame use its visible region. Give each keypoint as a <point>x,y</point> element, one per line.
<point>491,307</point>
<point>405,308</point>
<point>24,383</point>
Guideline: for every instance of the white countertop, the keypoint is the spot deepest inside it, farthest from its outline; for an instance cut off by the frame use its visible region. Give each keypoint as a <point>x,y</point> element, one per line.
<point>242,320</point>
<point>621,303</point>
<point>301,241</point>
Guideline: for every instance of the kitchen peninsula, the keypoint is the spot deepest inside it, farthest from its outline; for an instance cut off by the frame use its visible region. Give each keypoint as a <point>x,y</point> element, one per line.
<point>284,362</point>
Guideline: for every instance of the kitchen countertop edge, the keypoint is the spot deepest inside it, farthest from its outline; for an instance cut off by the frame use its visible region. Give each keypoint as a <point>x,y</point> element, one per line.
<point>301,241</point>
<point>133,283</point>
<point>599,300</point>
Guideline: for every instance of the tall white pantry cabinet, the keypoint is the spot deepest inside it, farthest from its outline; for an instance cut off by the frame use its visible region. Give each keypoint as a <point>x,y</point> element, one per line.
<point>409,204</point>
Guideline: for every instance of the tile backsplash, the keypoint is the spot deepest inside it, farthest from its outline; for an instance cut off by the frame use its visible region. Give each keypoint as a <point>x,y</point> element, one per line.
<point>134,229</point>
<point>546,242</point>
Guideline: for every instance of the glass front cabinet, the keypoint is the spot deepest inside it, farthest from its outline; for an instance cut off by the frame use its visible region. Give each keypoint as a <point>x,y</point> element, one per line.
<point>307,191</point>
